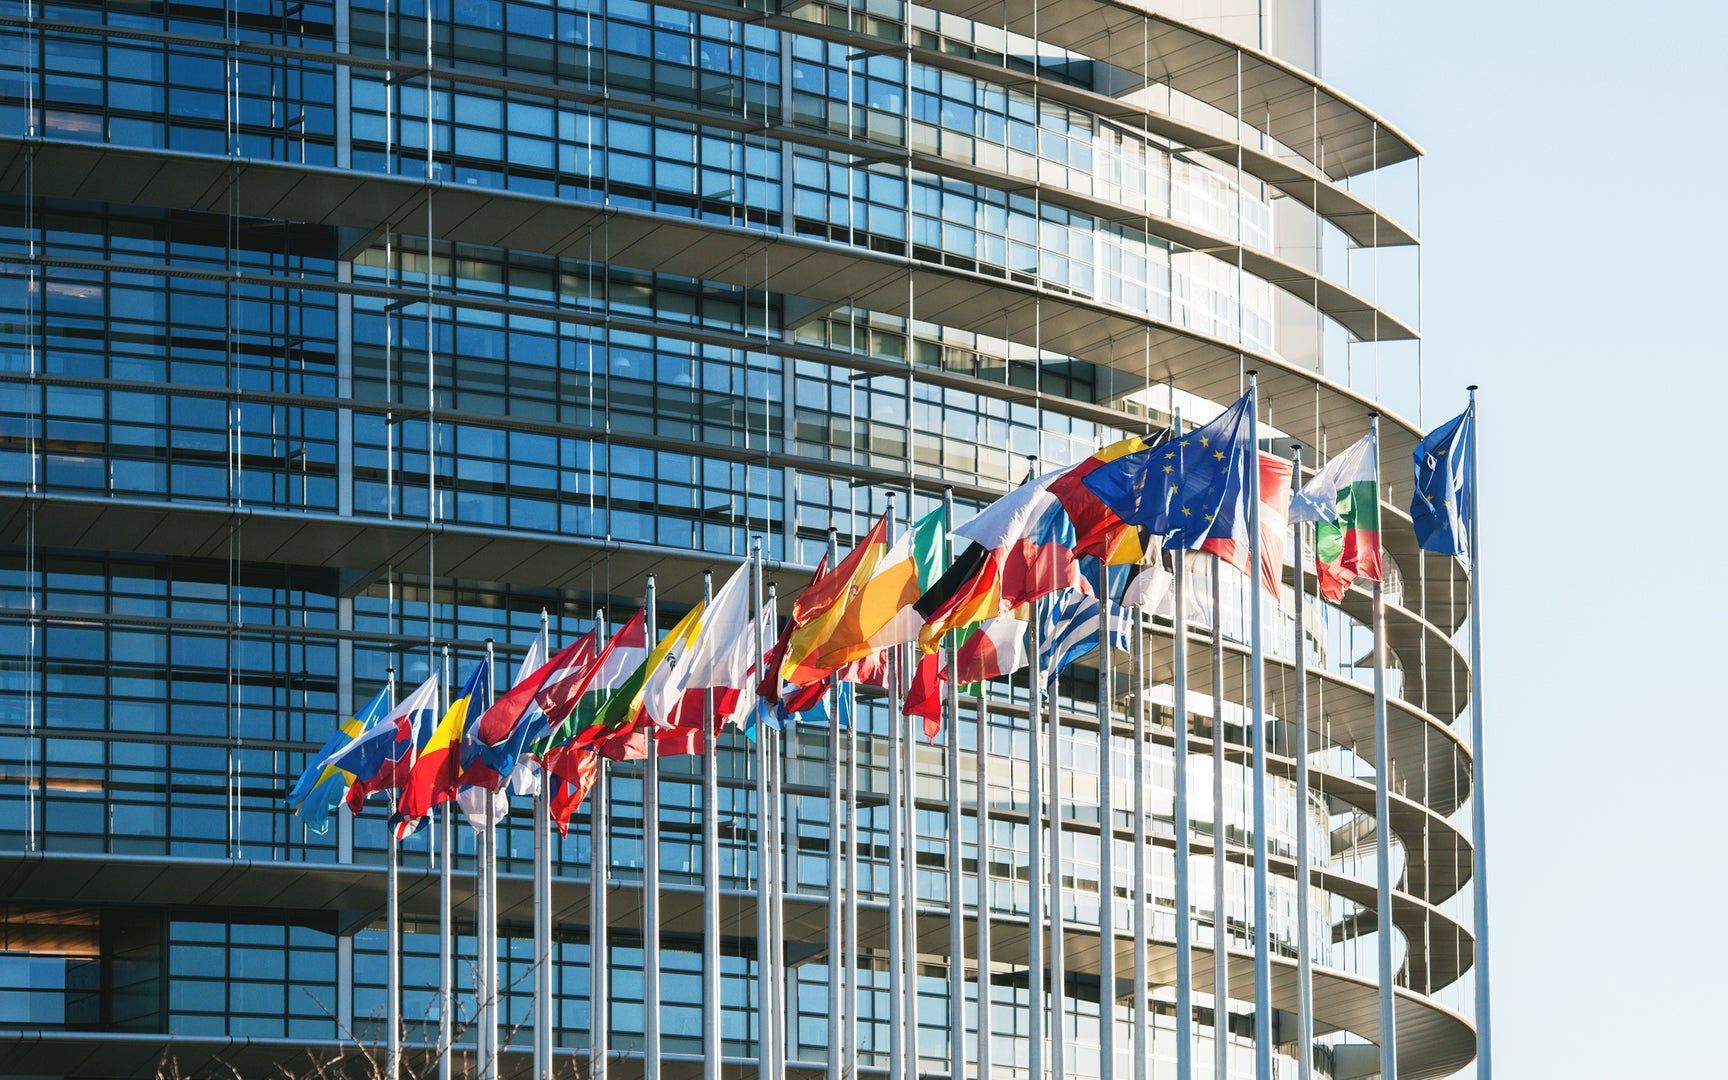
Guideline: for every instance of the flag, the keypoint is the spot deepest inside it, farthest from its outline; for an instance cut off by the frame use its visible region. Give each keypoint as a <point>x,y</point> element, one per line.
<point>1185,489</point>
<point>380,757</point>
<point>721,652</point>
<point>321,787</point>
<point>1069,631</point>
<point>1274,526</point>
<point>565,702</point>
<point>995,647</point>
<point>1098,530</point>
<point>1343,500</point>
<point>818,610</point>
<point>881,613</point>
<point>1443,502</point>
<point>826,590</point>
<point>498,737</point>
<point>969,591</point>
<point>437,768</point>
<point>573,771</point>
<point>622,710</point>
<point>924,696</point>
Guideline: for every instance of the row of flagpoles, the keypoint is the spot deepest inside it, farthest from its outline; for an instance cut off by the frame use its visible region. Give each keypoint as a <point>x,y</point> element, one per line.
<point>1088,544</point>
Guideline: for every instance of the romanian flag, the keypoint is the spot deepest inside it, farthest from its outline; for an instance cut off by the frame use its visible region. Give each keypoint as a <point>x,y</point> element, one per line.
<point>437,768</point>
<point>1274,526</point>
<point>1343,501</point>
<point>321,787</point>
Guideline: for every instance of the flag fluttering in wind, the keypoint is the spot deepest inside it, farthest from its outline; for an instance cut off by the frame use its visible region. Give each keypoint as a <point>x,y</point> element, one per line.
<point>437,769</point>
<point>881,614</point>
<point>818,610</point>
<point>1232,546</point>
<point>1343,500</point>
<point>1070,629</point>
<point>380,757</point>
<point>1187,488</point>
<point>320,789</point>
<point>995,647</point>
<point>497,739</point>
<point>1443,502</point>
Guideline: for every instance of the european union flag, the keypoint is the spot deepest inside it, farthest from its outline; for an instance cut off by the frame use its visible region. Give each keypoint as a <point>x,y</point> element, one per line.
<point>1187,488</point>
<point>1443,502</point>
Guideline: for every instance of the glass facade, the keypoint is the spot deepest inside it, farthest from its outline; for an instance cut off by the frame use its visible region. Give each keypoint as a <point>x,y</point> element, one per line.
<point>271,430</point>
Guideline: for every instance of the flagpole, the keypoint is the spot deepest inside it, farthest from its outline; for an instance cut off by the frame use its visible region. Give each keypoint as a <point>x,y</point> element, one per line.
<point>393,927</point>
<point>1184,899</point>
<point>1035,975</point>
<point>837,1059</point>
<point>777,877</point>
<point>712,1052</point>
<point>651,871</point>
<point>543,910</point>
<point>764,886</point>
<point>1220,841</point>
<point>1304,950</point>
<point>1257,695</point>
<point>1142,1012</point>
<point>486,885</point>
<point>446,928</point>
<point>909,867</point>
<point>984,907</point>
<point>896,885</point>
<point>1058,919</point>
<point>1106,837</point>
<point>852,949</point>
<point>1383,818</point>
<point>599,943</point>
<point>956,846</point>
<point>1478,816</point>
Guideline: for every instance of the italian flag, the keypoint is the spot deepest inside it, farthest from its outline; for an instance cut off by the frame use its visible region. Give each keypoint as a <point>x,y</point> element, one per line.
<point>1344,503</point>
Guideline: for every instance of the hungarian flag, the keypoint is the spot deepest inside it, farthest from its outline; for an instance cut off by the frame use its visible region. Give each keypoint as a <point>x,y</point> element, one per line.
<point>567,707</point>
<point>1344,502</point>
<point>1274,525</point>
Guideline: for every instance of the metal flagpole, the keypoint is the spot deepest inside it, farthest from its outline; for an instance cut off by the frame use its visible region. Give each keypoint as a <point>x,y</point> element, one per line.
<point>1478,817</point>
<point>486,935</point>
<point>1304,949</point>
<point>850,1031</point>
<point>837,1060</point>
<point>1058,919</point>
<point>1106,837</point>
<point>599,928</point>
<point>1220,842</point>
<point>764,886</point>
<point>711,1050</point>
<point>896,880</point>
<point>1184,898</point>
<point>1383,820</point>
<point>651,873</point>
<point>1035,985</point>
<point>1257,695</point>
<point>393,927</point>
<point>909,867</point>
<point>956,886</point>
<point>446,928</point>
<point>543,1020</point>
<point>983,923</point>
<point>1142,1011</point>
<point>777,876</point>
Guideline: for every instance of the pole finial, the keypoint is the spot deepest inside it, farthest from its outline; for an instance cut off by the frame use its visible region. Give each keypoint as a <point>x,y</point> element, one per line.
<point>1472,388</point>
<point>1253,373</point>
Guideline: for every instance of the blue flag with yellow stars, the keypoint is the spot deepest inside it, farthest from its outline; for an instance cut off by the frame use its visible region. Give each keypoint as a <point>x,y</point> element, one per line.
<point>1443,502</point>
<point>1187,488</point>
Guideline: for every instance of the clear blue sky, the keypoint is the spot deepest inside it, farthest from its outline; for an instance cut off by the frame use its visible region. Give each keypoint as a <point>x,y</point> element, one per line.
<point>1573,266</point>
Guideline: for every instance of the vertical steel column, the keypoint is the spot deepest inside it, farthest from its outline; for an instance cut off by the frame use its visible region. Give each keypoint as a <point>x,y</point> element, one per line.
<point>837,1060</point>
<point>983,925</point>
<point>393,927</point>
<point>486,991</point>
<point>896,867</point>
<point>764,880</point>
<point>1037,1017</point>
<point>544,962</point>
<point>1142,1004</point>
<point>446,849</point>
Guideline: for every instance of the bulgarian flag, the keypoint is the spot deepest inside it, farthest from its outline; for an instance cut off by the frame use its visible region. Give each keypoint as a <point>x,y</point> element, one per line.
<point>1344,503</point>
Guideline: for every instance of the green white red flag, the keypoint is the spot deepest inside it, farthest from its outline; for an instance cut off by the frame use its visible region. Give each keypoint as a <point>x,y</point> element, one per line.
<point>1343,501</point>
